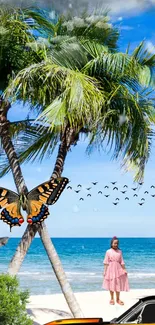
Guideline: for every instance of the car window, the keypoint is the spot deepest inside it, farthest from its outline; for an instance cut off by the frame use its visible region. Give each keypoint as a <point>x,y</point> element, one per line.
<point>133,317</point>
<point>147,314</point>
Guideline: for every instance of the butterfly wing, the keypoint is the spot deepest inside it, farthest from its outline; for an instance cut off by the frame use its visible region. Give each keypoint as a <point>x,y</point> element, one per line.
<point>45,193</point>
<point>38,212</point>
<point>9,200</point>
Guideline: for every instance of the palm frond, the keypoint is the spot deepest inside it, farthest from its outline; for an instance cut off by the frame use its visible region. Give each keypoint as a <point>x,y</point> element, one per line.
<point>17,127</point>
<point>112,66</point>
<point>95,27</point>
<point>126,130</point>
<point>80,103</point>
<point>146,59</point>
<point>31,142</point>
<point>69,55</point>
<point>93,49</point>
<point>15,34</point>
<point>40,21</point>
<point>61,90</point>
<point>41,146</point>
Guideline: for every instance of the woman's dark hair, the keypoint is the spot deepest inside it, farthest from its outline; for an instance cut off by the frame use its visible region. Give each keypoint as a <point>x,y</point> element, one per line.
<point>112,240</point>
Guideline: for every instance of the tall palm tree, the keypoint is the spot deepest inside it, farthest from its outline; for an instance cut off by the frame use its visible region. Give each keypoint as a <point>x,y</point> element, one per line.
<point>14,55</point>
<point>84,88</point>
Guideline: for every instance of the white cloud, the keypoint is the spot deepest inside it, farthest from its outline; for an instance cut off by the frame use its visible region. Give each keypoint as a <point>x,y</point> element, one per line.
<point>129,7</point>
<point>120,18</point>
<point>117,7</point>
<point>150,47</point>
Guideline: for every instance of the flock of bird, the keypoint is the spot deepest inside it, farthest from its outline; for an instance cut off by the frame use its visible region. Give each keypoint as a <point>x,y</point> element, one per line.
<point>114,188</point>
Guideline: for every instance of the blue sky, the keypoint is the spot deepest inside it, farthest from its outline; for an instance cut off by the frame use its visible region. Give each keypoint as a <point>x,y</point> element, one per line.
<point>96,216</point>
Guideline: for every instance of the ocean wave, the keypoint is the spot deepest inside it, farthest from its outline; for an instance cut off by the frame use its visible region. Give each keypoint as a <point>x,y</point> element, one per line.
<point>35,274</point>
<point>29,273</point>
<point>141,275</point>
<point>80,273</point>
<point>72,274</point>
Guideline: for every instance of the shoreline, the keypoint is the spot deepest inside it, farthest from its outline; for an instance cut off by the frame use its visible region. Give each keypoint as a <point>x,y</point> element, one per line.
<point>46,308</point>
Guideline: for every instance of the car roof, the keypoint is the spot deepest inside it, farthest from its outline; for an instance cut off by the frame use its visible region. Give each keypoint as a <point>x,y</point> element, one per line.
<point>147,298</point>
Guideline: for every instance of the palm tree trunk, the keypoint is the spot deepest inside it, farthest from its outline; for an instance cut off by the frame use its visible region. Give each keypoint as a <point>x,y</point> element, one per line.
<point>59,272</point>
<point>68,139</point>
<point>22,249</point>
<point>9,148</point>
<point>19,181</point>
<point>31,231</point>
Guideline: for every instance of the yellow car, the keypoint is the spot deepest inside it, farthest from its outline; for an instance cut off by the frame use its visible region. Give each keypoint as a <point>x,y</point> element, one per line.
<point>76,321</point>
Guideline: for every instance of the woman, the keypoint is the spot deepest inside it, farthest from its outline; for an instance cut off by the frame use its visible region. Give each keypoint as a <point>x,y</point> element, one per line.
<point>115,274</point>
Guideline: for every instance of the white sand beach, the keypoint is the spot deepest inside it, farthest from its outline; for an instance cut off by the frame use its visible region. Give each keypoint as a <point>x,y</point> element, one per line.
<point>45,308</point>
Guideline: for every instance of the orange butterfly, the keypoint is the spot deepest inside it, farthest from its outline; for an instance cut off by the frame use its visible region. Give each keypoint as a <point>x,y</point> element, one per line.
<point>34,203</point>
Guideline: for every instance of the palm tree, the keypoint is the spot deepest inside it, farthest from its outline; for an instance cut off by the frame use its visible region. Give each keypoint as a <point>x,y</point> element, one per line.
<point>83,87</point>
<point>15,37</point>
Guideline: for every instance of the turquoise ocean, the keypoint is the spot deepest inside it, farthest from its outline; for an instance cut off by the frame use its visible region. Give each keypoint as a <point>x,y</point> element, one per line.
<point>82,260</point>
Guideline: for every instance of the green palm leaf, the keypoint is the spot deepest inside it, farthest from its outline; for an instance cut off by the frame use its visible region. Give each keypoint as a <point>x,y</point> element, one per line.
<point>147,61</point>
<point>31,141</point>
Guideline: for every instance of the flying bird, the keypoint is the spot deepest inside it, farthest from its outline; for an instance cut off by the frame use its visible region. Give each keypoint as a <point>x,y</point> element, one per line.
<point>146,192</point>
<point>79,185</point>
<point>89,194</point>
<point>134,189</point>
<point>141,183</point>
<point>117,199</point>
<point>81,199</point>
<point>94,183</point>
<point>142,199</point>
<point>153,195</point>
<point>115,188</point>
<point>126,198</point>
<point>135,195</point>
<point>106,186</point>
<point>99,192</point>
<point>88,188</point>
<point>141,203</point>
<point>115,203</point>
<point>123,192</point>
<point>106,195</point>
<point>113,183</point>
<point>152,186</point>
<point>77,191</point>
<point>69,187</point>
<point>125,186</point>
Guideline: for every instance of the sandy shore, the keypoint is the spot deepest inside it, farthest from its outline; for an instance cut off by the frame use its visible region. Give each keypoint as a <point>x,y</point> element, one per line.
<point>45,308</point>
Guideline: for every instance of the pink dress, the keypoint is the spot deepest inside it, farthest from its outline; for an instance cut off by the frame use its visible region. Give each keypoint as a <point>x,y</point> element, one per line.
<point>115,278</point>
